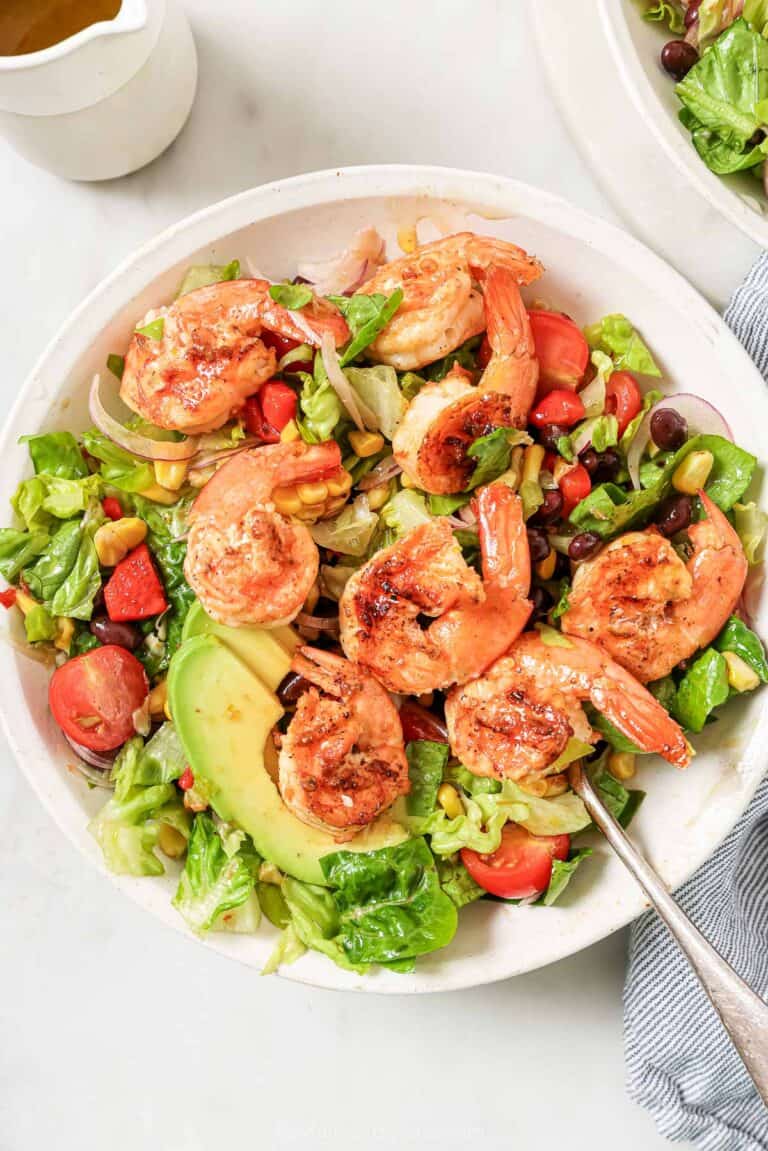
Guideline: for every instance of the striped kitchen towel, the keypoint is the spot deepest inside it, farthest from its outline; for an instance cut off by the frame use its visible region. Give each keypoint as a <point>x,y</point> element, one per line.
<point>680,1063</point>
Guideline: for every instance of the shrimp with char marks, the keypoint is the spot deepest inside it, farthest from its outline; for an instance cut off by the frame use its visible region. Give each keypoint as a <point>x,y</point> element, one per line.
<point>442,306</point>
<point>444,418</point>
<point>515,720</point>
<point>247,563</point>
<point>648,608</point>
<point>342,761</point>
<point>210,356</point>
<point>419,618</point>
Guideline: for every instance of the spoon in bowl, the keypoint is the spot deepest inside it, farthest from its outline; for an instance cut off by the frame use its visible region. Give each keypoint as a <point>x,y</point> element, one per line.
<point>743,1014</point>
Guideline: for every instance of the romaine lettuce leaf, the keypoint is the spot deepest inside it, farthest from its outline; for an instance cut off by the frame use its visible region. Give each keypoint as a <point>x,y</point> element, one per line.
<point>741,640</point>
<point>406,510</point>
<point>118,467</point>
<point>42,498</point>
<point>703,688</point>
<point>390,903</point>
<point>39,624</point>
<point>562,873</point>
<point>291,296</point>
<point>377,387</point>
<point>320,406</point>
<point>315,922</point>
<point>75,596</point>
<point>751,524</point>
<point>201,275</point>
<point>426,763</point>
<point>621,801</point>
<point>492,453</point>
<point>456,881</point>
<point>217,891</point>
<point>667,12</point>
<point>18,548</point>
<point>127,832</point>
<point>465,356</point>
<point>56,454</point>
<point>367,316</point>
<point>615,336</point>
<point>350,531</point>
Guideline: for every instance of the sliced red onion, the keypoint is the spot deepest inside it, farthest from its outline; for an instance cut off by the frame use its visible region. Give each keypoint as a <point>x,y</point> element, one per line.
<point>384,471</point>
<point>459,524</point>
<point>583,438</point>
<point>467,516</point>
<point>593,396</point>
<point>698,413</point>
<point>318,622</point>
<point>131,441</point>
<point>101,760</point>
<point>205,459</point>
<point>350,269</point>
<point>359,412</point>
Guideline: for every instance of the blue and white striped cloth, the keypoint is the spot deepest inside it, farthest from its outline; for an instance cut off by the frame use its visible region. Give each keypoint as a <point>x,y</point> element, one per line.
<point>680,1063</point>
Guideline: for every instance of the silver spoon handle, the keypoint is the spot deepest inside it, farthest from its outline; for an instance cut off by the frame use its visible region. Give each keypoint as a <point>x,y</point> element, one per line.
<point>743,1013</point>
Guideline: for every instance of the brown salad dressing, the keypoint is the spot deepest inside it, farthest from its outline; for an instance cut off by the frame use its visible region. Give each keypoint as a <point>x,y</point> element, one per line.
<point>31,25</point>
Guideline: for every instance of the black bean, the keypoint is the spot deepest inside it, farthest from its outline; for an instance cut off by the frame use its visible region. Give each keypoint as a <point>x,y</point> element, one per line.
<point>674,515</point>
<point>291,687</point>
<point>541,600</point>
<point>608,466</point>
<point>584,545</point>
<point>551,507</point>
<point>550,434</point>
<point>678,57</point>
<point>691,13</point>
<point>538,542</point>
<point>668,429</point>
<point>590,460</point>
<point>756,138</point>
<point>111,631</point>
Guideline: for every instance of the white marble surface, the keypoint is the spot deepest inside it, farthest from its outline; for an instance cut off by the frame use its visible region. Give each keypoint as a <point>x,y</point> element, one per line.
<point>113,1031</point>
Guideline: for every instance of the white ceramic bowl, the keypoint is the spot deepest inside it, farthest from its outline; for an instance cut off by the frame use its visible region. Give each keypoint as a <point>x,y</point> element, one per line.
<point>636,44</point>
<point>593,269</point>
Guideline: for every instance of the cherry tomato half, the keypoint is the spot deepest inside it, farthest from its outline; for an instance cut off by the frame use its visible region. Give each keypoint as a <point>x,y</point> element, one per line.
<point>256,424</point>
<point>522,864</point>
<point>559,406</point>
<point>561,350</point>
<point>418,723</point>
<point>574,486</point>
<point>93,696</point>
<point>623,398</point>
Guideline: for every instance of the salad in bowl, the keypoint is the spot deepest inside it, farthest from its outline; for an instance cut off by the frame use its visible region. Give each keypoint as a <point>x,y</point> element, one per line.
<point>350,568</point>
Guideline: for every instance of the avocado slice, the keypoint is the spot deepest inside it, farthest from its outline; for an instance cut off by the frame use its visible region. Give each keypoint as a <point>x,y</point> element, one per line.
<point>267,652</point>
<point>224,715</point>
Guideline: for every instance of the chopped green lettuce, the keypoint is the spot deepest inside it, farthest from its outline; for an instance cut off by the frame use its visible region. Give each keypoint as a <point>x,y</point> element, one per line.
<point>349,532</point>
<point>492,453</point>
<point>456,881</point>
<point>217,890</point>
<point>447,505</point>
<point>18,548</point>
<point>315,922</point>
<point>291,296</point>
<point>742,641</point>
<point>39,624</point>
<point>127,827</point>
<point>154,330</point>
<point>202,275</point>
<point>411,384</point>
<point>56,454</point>
<point>426,763</point>
<point>320,406</point>
<point>116,365</point>
<point>667,12</point>
<point>287,950</point>
<point>367,316</point>
<point>703,688</point>
<point>622,802</point>
<point>406,510</point>
<point>465,356</point>
<point>615,336</point>
<point>44,497</point>
<point>562,874</point>
<point>751,523</point>
<point>378,389</point>
<point>117,467</point>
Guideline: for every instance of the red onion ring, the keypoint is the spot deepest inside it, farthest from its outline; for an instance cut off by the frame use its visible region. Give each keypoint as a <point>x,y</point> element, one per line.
<point>700,415</point>
<point>318,622</point>
<point>384,471</point>
<point>103,761</point>
<point>137,445</point>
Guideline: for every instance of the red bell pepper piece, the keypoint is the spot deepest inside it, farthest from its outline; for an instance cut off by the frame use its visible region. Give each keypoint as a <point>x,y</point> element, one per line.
<point>186,779</point>
<point>8,597</point>
<point>278,403</point>
<point>112,508</point>
<point>134,590</point>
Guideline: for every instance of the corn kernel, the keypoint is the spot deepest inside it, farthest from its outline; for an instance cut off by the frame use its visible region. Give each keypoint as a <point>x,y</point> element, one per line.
<point>366,444</point>
<point>308,513</point>
<point>167,711</point>
<point>287,501</point>
<point>24,601</point>
<point>534,785</point>
<point>65,631</point>
<point>532,461</point>
<point>741,676</point>
<point>290,432</point>
<point>268,873</point>
<point>158,698</point>
<point>621,765</point>
<point>339,485</point>
<point>170,841</point>
<point>408,239</point>
<point>448,798</point>
<point>312,493</point>
<point>561,468</point>
<point>171,473</point>
<point>114,539</point>
<point>407,482</point>
<point>693,472</point>
<point>159,495</point>
<point>546,569</point>
<point>378,496</point>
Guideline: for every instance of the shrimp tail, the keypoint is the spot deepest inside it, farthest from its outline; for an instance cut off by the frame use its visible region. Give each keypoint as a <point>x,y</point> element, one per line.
<point>513,368</point>
<point>638,716</point>
<point>506,556</point>
<point>325,670</point>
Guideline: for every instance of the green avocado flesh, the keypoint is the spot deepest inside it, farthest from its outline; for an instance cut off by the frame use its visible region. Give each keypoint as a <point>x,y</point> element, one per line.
<point>266,652</point>
<point>224,714</point>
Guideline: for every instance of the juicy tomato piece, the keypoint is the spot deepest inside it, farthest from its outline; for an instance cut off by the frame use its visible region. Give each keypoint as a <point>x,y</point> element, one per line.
<point>418,723</point>
<point>559,406</point>
<point>112,508</point>
<point>561,350</point>
<point>280,344</point>
<point>8,597</point>
<point>278,403</point>
<point>256,423</point>
<point>134,590</point>
<point>186,779</point>
<point>93,696</point>
<point>484,353</point>
<point>522,864</point>
<point>574,486</point>
<point>549,461</point>
<point>623,398</point>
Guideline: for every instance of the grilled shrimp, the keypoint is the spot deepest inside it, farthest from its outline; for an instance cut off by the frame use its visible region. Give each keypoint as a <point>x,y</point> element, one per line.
<point>641,603</point>
<point>247,563</point>
<point>210,356</point>
<point>516,719</point>
<point>342,761</point>
<point>441,306</point>
<point>419,618</point>
<point>445,417</point>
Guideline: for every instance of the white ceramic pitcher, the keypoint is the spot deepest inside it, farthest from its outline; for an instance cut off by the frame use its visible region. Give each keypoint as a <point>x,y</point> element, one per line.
<point>107,100</point>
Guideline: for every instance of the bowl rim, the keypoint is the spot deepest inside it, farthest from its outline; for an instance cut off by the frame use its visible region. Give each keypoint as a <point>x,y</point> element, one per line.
<point>487,194</point>
<point>652,111</point>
